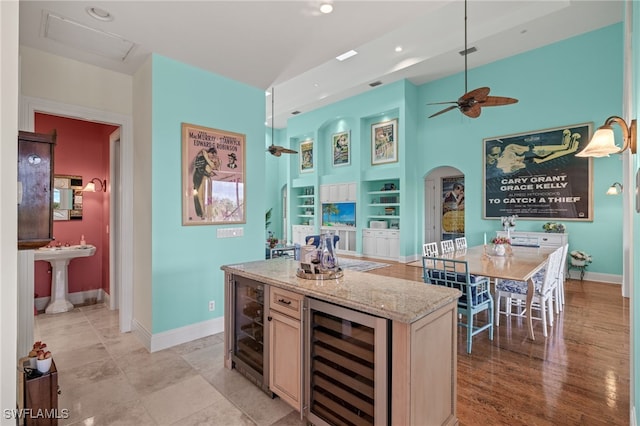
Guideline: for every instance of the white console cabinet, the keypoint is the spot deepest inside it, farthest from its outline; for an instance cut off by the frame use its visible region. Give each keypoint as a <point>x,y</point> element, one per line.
<point>536,239</point>
<point>384,243</point>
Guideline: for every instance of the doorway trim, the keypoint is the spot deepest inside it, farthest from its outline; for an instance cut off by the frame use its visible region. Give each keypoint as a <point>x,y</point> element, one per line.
<point>433,201</point>
<point>29,106</point>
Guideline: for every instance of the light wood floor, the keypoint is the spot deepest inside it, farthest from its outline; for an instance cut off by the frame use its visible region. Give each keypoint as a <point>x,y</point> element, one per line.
<point>579,375</point>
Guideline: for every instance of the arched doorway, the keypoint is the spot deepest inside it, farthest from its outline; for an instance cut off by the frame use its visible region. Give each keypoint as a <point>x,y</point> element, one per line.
<point>444,204</point>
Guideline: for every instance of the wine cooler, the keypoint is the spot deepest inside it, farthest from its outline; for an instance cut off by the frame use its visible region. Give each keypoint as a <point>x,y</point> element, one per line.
<point>250,354</point>
<point>347,379</point>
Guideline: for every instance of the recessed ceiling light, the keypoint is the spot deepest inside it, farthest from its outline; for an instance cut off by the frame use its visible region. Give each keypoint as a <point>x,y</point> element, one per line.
<point>346,55</point>
<point>398,49</point>
<point>326,8</point>
<point>99,14</point>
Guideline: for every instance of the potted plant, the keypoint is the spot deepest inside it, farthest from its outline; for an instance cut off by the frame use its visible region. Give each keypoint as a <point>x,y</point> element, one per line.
<point>553,227</point>
<point>580,258</point>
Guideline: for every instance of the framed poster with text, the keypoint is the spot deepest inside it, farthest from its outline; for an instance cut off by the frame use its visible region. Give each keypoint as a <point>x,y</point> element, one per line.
<point>384,142</point>
<point>341,148</point>
<point>306,156</point>
<point>536,175</point>
<point>213,176</point>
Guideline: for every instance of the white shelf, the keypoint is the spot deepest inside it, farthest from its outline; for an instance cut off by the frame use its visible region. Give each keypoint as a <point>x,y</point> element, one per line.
<point>384,205</point>
<point>394,191</point>
<point>386,216</point>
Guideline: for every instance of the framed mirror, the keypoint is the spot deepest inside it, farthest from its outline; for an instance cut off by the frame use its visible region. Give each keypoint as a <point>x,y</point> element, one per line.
<point>67,197</point>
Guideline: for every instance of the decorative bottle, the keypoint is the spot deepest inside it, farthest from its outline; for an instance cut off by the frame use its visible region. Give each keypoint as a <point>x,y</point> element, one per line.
<point>327,252</point>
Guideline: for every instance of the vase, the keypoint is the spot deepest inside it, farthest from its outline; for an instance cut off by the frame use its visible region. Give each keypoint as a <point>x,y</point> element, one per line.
<point>43,365</point>
<point>577,262</point>
<point>327,252</point>
<point>499,249</point>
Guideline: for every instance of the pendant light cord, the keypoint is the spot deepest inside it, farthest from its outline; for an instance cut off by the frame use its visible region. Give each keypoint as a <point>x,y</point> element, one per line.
<point>272,113</point>
<point>466,53</point>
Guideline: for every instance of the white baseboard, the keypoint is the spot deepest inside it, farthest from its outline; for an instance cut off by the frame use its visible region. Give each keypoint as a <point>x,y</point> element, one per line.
<point>597,276</point>
<point>177,336</point>
<point>141,333</point>
<point>77,298</point>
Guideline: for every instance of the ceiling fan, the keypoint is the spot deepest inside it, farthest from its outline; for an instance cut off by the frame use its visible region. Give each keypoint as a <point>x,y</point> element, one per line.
<point>276,150</point>
<point>470,103</point>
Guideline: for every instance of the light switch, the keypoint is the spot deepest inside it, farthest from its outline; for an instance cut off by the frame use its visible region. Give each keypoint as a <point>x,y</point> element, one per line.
<point>230,232</point>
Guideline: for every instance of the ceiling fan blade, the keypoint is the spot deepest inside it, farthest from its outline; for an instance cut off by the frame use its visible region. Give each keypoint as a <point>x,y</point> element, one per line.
<point>279,150</point>
<point>287,150</point>
<point>444,110</point>
<point>472,111</point>
<point>442,103</point>
<point>479,95</point>
<point>497,101</point>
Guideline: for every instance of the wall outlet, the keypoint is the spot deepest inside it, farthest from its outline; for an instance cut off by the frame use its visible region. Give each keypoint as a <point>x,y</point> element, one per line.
<point>212,305</point>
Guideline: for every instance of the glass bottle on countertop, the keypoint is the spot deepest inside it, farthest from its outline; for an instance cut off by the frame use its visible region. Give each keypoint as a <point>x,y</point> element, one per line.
<point>327,252</point>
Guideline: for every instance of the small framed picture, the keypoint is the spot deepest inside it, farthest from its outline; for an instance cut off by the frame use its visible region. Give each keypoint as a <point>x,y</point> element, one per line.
<point>341,149</point>
<point>306,156</point>
<point>384,142</point>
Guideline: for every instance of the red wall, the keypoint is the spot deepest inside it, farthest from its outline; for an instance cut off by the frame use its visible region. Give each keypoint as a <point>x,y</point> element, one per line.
<point>82,149</point>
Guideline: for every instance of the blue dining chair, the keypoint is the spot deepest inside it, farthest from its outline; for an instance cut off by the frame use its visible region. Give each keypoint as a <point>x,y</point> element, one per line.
<point>476,295</point>
<point>315,240</point>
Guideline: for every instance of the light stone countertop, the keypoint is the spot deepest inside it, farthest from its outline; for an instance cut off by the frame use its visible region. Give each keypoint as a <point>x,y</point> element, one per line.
<point>392,298</point>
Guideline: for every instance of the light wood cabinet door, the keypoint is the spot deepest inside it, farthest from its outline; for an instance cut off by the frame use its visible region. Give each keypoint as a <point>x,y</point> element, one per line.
<point>285,367</point>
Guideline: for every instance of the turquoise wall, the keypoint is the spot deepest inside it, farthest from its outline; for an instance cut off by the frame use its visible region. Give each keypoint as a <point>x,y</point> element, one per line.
<point>275,179</point>
<point>357,114</point>
<point>186,260</point>
<point>571,82</point>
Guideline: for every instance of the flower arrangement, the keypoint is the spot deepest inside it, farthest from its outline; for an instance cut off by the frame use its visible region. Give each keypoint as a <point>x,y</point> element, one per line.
<point>501,240</point>
<point>42,356</point>
<point>580,258</point>
<point>508,222</point>
<point>554,227</point>
<point>272,240</point>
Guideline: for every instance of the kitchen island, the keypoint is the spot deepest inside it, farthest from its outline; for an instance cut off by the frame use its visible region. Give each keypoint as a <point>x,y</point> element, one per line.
<point>359,349</point>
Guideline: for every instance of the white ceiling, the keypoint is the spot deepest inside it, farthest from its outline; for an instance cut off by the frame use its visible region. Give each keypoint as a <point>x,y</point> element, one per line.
<point>289,45</point>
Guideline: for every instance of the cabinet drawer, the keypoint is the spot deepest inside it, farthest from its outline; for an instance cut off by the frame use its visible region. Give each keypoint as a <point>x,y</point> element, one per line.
<point>286,302</point>
<point>550,240</point>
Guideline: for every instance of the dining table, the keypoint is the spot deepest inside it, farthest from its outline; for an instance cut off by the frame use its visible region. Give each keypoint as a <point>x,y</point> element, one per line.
<point>517,263</point>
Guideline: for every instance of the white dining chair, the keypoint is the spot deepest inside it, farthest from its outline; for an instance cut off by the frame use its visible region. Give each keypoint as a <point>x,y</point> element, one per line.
<point>447,246</point>
<point>514,293</point>
<point>558,297</point>
<point>430,249</point>
<point>461,243</point>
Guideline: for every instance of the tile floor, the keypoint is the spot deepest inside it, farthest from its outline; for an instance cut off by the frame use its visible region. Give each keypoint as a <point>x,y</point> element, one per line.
<point>109,378</point>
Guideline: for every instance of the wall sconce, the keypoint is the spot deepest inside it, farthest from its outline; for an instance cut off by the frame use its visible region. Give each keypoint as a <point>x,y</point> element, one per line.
<point>615,189</point>
<point>91,186</point>
<point>602,143</point>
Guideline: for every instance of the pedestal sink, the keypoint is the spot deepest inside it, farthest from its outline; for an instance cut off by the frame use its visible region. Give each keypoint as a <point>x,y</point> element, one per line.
<point>59,258</point>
